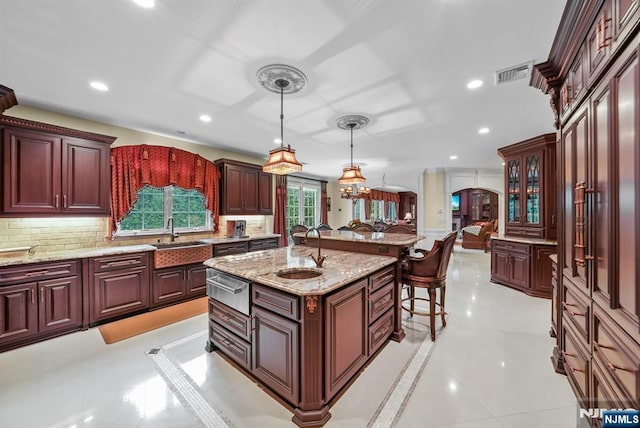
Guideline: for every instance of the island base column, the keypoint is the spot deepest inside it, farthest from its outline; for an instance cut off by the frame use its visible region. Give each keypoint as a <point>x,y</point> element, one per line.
<point>398,332</point>
<point>312,410</point>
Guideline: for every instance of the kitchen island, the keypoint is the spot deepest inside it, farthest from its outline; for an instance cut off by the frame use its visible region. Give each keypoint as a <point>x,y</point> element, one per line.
<point>388,244</point>
<point>305,340</point>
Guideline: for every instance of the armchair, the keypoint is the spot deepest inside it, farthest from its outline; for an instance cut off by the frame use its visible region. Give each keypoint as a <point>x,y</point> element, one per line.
<point>477,241</point>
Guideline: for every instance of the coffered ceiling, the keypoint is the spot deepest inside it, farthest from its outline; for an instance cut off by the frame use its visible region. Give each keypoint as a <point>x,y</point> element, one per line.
<point>404,64</point>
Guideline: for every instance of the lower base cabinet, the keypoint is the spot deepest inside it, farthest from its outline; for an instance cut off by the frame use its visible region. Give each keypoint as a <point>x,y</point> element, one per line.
<point>523,265</point>
<point>33,310</point>
<point>178,283</point>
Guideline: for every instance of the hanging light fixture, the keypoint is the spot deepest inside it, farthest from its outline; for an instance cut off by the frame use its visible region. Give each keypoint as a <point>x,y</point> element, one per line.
<point>281,78</point>
<point>352,175</point>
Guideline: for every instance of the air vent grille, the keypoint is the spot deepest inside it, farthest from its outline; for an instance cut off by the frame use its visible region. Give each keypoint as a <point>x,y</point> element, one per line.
<point>516,72</point>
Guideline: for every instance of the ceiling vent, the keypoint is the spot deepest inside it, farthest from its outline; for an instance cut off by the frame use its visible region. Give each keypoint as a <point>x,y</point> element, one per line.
<point>516,72</point>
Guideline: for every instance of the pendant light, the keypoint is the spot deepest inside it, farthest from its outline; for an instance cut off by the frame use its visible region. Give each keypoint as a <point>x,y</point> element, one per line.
<point>278,78</point>
<point>352,175</point>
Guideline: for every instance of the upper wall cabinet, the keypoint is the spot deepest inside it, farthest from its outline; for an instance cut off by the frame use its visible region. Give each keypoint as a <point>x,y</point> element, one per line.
<point>53,170</point>
<point>530,187</point>
<point>244,189</point>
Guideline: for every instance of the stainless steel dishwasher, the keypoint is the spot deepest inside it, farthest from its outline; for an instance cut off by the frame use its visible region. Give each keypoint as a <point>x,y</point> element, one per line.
<point>229,290</point>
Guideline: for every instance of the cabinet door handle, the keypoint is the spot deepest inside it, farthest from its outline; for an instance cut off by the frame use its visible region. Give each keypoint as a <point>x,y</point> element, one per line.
<point>56,199</point>
<point>64,201</point>
<point>566,306</point>
<point>33,297</point>
<point>42,294</point>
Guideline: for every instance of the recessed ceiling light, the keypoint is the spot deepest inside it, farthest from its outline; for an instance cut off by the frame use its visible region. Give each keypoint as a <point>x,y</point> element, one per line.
<point>205,118</point>
<point>99,86</point>
<point>483,131</point>
<point>277,141</point>
<point>147,4</point>
<point>474,84</point>
<point>453,157</point>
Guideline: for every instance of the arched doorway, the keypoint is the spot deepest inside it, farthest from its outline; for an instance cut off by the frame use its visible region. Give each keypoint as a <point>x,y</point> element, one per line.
<point>472,205</point>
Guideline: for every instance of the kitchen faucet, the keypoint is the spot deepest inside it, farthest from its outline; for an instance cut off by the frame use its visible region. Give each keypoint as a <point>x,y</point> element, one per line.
<point>174,235</point>
<point>321,257</point>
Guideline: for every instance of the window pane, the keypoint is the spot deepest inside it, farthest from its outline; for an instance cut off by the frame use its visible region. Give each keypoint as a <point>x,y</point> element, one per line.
<point>188,208</point>
<point>147,212</point>
<point>293,207</point>
<point>310,198</point>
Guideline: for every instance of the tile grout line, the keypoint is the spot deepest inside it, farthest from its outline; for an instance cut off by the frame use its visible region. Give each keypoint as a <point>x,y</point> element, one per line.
<point>393,404</point>
<point>186,392</point>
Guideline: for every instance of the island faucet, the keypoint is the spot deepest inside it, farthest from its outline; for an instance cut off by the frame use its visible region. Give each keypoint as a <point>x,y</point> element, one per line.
<point>321,257</point>
<point>174,235</point>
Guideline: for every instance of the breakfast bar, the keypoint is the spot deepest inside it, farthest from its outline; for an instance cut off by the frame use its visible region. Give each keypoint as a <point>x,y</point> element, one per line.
<point>307,331</point>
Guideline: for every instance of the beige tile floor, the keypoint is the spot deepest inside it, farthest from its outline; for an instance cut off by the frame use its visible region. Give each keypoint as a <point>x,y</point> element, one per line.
<point>488,368</point>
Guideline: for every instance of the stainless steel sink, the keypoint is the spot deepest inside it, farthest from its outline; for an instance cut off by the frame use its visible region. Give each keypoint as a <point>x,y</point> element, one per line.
<point>299,273</point>
<point>181,253</point>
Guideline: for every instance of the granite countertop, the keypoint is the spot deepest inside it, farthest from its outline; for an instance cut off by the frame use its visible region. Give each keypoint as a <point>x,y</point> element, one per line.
<point>339,269</point>
<point>246,238</point>
<point>368,237</point>
<point>9,260</point>
<point>21,257</point>
<point>525,240</point>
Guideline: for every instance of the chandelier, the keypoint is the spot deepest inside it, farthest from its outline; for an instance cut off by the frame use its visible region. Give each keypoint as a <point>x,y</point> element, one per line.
<point>352,175</point>
<point>278,78</point>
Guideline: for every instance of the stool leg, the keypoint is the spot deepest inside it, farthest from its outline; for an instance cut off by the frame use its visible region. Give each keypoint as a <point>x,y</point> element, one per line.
<point>412,301</point>
<point>443,313</point>
<point>432,312</point>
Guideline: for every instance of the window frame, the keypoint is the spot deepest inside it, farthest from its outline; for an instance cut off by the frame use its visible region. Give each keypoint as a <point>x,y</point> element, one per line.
<point>301,184</point>
<point>168,212</point>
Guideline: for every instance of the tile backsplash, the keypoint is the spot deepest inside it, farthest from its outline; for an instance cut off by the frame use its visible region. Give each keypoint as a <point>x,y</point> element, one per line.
<point>77,233</point>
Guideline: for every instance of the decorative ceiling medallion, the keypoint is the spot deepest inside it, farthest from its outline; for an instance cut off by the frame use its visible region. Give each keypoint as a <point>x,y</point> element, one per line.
<point>268,75</point>
<point>352,120</point>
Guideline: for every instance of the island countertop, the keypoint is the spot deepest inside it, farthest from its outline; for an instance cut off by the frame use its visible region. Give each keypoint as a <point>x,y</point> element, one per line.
<point>400,239</point>
<point>339,269</point>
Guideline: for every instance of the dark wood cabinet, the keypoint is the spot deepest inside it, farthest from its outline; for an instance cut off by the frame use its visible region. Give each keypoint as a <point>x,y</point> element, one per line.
<point>38,301</point>
<point>53,170</point>
<point>119,286</point>
<point>244,189</point>
<point>174,284</point>
<point>530,191</point>
<point>408,204</point>
<point>597,112</point>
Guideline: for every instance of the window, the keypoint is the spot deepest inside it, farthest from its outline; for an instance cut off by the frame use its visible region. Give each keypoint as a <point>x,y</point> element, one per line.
<point>377,210</point>
<point>358,210</point>
<point>393,211</point>
<point>303,202</point>
<point>151,212</point>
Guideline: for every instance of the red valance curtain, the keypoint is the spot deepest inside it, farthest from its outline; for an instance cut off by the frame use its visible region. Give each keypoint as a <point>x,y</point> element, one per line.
<point>280,211</point>
<point>381,195</point>
<point>324,208</point>
<point>133,167</point>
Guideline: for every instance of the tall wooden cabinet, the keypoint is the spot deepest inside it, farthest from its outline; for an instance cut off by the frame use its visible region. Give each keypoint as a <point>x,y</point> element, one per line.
<point>244,189</point>
<point>53,170</point>
<point>593,77</point>
<point>520,258</point>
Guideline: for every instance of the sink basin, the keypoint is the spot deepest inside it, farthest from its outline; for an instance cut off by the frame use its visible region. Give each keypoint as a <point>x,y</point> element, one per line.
<point>180,253</point>
<point>299,273</point>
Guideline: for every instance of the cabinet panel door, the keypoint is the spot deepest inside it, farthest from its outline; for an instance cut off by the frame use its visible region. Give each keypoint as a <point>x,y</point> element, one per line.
<point>31,172</point>
<point>275,353</point>
<point>60,303</point>
<point>519,267</point>
<point>232,189</point>
<point>250,190</point>
<point>168,285</point>
<point>119,293</point>
<point>346,331</point>
<point>499,265</point>
<point>196,280</point>
<point>265,193</point>
<point>542,268</point>
<point>18,312</point>
<point>86,177</point>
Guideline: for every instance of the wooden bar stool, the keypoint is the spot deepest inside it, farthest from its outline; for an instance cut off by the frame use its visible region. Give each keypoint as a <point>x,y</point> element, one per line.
<point>429,272</point>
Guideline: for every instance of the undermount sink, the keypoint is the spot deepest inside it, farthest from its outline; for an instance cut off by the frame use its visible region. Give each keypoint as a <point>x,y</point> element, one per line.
<point>180,253</point>
<point>298,273</point>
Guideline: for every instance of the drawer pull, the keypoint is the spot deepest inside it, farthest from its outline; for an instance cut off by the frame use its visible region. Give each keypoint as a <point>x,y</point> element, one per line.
<point>383,301</point>
<point>37,273</point>
<point>121,263</point>
<point>608,363</point>
<point>566,306</point>
<point>566,361</point>
<point>381,332</point>
<point>42,294</point>
<point>385,278</point>
<point>33,299</point>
